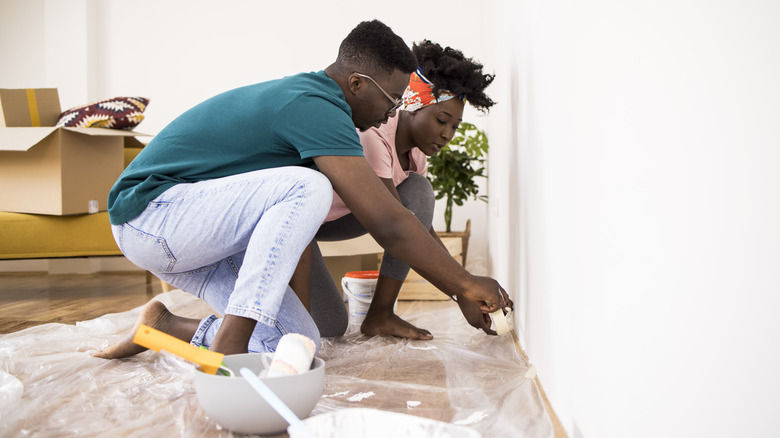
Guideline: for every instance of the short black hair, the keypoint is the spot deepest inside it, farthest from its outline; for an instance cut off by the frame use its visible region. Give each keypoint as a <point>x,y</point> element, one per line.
<point>372,47</point>
<point>449,70</point>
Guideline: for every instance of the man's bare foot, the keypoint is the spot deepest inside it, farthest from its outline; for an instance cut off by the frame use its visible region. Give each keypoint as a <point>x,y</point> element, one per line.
<point>155,315</point>
<point>391,324</point>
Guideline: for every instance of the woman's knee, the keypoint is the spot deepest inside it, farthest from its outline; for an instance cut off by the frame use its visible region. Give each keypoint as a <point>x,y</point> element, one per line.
<point>417,195</point>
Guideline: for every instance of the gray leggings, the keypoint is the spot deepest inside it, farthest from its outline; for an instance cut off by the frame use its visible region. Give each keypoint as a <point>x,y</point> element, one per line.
<point>327,305</point>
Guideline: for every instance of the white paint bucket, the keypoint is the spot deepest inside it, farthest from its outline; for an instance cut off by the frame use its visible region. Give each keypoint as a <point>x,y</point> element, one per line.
<point>359,287</point>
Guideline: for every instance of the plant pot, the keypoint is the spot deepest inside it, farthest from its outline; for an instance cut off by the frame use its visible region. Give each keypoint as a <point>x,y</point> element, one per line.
<point>464,238</point>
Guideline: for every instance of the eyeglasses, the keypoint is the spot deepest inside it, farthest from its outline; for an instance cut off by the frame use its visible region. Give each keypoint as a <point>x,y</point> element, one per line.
<point>396,102</point>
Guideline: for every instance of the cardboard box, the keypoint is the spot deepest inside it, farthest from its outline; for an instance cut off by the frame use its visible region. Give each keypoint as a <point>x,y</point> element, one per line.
<point>57,171</point>
<point>31,107</point>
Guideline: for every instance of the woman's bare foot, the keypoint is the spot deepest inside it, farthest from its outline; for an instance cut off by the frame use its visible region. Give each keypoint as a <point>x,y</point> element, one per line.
<point>390,324</point>
<point>233,335</point>
<point>155,315</point>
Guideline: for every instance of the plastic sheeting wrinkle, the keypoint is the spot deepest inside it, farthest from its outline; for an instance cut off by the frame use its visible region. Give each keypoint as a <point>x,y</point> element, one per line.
<point>475,417</point>
<point>360,396</point>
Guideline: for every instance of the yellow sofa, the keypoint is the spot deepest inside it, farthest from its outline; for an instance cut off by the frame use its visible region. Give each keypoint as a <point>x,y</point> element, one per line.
<point>32,236</point>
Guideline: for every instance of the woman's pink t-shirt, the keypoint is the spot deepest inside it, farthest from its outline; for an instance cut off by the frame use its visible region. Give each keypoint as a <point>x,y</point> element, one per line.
<point>379,149</point>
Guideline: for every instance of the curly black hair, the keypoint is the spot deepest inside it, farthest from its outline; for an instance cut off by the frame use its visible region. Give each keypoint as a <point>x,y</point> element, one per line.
<point>372,47</point>
<point>449,70</point>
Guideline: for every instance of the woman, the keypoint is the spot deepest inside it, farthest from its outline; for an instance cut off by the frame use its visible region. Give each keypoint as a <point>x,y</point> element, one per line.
<point>432,110</point>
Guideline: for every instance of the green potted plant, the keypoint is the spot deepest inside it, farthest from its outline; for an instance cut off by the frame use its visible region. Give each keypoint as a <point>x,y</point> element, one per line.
<point>453,173</point>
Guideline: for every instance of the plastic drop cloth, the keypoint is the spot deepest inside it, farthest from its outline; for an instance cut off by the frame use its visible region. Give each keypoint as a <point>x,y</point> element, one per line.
<point>51,386</point>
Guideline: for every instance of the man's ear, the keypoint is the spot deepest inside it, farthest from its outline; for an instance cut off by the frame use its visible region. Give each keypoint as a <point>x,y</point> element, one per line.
<point>354,83</point>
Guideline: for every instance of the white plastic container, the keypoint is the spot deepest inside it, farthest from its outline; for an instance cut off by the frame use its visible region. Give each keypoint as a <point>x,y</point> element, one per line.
<point>359,287</point>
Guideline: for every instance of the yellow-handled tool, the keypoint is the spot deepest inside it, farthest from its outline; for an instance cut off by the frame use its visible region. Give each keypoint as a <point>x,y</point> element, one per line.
<point>156,340</point>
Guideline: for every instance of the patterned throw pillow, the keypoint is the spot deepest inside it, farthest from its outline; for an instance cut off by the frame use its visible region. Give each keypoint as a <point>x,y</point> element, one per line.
<point>117,113</point>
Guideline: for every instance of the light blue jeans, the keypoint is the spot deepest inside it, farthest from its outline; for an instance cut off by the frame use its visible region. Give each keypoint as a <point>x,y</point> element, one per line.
<point>235,243</point>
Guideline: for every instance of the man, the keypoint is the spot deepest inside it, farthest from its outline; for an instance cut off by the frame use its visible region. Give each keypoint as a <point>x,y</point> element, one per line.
<point>225,200</point>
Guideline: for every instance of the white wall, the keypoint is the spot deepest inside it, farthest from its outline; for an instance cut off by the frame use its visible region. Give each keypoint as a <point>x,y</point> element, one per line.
<point>21,43</point>
<point>49,43</point>
<point>648,144</point>
<point>634,190</point>
<point>179,53</point>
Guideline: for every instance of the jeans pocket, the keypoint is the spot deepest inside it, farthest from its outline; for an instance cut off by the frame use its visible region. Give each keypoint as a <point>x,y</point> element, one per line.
<point>146,250</point>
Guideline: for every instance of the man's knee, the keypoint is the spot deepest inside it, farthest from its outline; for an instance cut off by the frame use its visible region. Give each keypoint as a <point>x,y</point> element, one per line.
<point>315,186</point>
<point>312,179</point>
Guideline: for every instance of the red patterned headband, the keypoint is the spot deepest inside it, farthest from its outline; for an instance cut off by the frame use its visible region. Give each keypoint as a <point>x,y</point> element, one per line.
<point>419,93</point>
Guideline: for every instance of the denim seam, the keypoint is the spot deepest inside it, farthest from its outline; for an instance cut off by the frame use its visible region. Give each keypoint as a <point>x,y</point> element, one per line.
<point>120,241</point>
<point>281,328</point>
<point>233,265</point>
<point>204,284</point>
<point>194,271</point>
<point>250,313</point>
<point>171,258</point>
<point>203,327</point>
<point>273,256</point>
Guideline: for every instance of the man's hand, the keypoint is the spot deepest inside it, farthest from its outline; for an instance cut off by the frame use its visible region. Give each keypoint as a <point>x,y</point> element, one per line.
<point>488,294</point>
<point>474,315</point>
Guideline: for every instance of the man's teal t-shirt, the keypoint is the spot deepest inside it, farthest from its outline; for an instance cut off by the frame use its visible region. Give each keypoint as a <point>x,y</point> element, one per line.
<point>284,122</point>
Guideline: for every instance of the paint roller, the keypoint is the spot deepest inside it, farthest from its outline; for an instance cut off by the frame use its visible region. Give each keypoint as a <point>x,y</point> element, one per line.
<point>294,355</point>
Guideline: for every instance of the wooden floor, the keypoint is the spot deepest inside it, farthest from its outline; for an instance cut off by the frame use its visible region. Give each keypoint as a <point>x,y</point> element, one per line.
<point>29,299</point>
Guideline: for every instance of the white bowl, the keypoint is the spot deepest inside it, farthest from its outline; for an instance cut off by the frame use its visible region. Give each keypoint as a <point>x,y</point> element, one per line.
<point>233,404</point>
